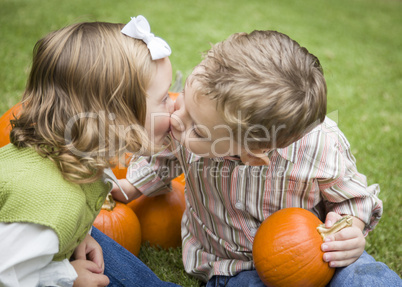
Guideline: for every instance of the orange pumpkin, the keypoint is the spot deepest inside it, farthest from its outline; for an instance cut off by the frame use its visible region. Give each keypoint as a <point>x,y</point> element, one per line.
<point>287,250</point>
<point>160,216</point>
<point>120,223</point>
<point>5,126</point>
<point>173,95</point>
<point>120,169</point>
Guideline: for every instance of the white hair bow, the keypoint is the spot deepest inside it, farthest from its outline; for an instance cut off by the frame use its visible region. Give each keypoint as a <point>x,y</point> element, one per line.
<point>139,28</point>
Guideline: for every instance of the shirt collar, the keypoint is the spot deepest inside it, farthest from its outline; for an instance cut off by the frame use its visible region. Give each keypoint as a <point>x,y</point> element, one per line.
<point>191,157</point>
<point>289,153</point>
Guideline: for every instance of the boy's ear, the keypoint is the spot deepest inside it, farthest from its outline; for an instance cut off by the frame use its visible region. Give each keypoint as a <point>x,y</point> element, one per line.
<point>254,157</point>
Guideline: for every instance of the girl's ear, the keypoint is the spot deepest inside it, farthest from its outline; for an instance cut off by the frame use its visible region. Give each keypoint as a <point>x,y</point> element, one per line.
<point>255,157</point>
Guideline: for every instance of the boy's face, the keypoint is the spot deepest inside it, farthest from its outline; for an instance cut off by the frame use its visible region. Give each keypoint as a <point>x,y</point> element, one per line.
<point>198,126</point>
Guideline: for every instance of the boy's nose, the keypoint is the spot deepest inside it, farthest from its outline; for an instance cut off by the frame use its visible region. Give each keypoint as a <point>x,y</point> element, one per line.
<point>176,116</point>
<point>177,123</point>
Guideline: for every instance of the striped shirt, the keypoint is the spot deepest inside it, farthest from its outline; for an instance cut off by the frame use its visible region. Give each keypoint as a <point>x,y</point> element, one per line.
<point>227,200</point>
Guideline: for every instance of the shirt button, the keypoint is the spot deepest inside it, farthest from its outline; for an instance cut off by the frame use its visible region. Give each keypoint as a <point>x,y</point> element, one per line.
<point>239,205</point>
<point>253,231</point>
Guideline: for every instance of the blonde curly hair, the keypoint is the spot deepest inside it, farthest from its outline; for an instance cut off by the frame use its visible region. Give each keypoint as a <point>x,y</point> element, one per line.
<point>85,100</point>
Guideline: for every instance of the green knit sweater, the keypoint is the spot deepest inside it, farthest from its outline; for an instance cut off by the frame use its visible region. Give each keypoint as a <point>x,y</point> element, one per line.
<point>33,190</point>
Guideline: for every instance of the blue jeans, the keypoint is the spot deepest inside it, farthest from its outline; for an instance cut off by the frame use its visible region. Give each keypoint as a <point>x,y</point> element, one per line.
<point>124,269</point>
<point>364,272</point>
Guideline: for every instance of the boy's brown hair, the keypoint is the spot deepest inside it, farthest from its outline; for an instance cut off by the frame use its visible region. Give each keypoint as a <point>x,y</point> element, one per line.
<point>268,88</point>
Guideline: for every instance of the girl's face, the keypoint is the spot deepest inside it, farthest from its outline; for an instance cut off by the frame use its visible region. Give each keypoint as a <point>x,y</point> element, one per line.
<point>159,104</point>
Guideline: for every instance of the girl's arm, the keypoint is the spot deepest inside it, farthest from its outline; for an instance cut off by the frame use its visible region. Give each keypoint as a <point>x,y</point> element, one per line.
<point>26,253</point>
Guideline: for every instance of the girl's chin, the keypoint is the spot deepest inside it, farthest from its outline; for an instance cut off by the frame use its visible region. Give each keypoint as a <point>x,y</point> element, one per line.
<point>158,142</point>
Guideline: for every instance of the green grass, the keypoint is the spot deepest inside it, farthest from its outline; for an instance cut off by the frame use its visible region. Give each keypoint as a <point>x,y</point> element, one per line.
<point>358,42</point>
<point>167,265</point>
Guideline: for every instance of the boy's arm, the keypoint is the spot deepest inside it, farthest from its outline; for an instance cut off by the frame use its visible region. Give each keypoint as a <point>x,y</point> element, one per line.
<point>130,191</point>
<point>351,196</point>
<point>345,190</point>
<point>151,176</point>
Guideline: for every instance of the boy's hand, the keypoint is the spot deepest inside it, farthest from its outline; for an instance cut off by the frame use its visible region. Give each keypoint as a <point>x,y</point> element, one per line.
<point>89,249</point>
<point>89,274</point>
<point>344,247</point>
<point>129,189</point>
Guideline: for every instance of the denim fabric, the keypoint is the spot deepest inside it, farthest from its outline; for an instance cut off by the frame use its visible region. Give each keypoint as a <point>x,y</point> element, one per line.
<point>365,272</point>
<point>123,268</point>
<point>243,279</point>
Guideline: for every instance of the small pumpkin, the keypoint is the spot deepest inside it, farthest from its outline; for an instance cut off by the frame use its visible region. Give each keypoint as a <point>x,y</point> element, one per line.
<point>173,95</point>
<point>5,126</point>
<point>120,223</point>
<point>120,168</point>
<point>160,216</point>
<point>287,250</point>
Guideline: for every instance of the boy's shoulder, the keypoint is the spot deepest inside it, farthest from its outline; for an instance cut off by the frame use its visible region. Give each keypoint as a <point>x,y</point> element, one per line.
<point>327,134</point>
<point>325,137</point>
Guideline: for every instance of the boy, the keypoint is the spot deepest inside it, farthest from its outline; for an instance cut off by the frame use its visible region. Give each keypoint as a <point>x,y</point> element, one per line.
<point>250,133</point>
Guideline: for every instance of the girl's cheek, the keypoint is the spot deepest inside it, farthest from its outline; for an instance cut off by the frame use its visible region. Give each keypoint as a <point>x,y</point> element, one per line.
<point>170,106</point>
<point>165,124</point>
<point>168,124</point>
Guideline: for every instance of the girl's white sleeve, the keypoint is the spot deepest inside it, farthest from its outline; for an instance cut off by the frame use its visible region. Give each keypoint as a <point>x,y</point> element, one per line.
<point>26,253</point>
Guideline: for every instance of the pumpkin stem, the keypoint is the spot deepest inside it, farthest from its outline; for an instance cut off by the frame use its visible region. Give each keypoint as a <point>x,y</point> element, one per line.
<point>109,203</point>
<point>340,224</point>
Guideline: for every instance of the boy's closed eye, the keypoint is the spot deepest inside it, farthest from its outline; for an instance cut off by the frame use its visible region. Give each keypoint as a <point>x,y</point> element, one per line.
<point>196,132</point>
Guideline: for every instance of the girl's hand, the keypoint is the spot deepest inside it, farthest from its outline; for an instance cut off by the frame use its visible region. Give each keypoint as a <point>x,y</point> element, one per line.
<point>128,188</point>
<point>89,274</point>
<point>344,247</point>
<point>89,249</point>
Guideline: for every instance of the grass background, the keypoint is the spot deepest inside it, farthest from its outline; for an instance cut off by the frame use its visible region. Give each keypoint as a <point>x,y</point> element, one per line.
<point>358,42</point>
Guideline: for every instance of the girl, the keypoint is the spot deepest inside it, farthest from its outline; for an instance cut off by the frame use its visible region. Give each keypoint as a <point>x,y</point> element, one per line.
<point>90,93</point>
